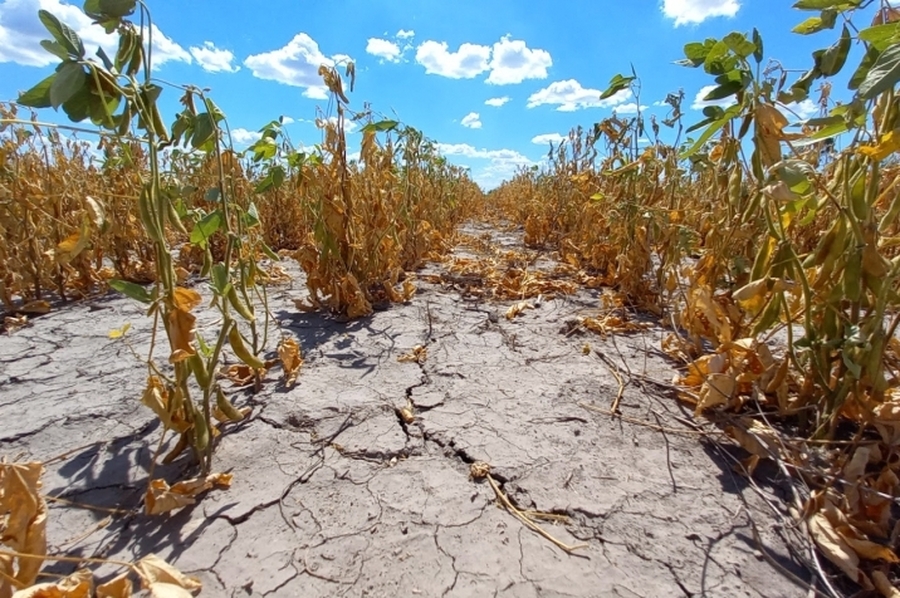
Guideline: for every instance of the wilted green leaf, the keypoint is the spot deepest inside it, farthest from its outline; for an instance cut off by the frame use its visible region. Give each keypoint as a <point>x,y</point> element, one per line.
<point>616,84</point>
<point>381,126</point>
<point>132,290</point>
<point>62,33</point>
<point>207,227</point>
<point>70,78</point>
<point>883,75</point>
<point>39,95</point>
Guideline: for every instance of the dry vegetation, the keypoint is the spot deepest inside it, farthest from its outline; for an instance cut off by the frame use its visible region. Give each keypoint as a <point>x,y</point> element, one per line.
<point>769,252</point>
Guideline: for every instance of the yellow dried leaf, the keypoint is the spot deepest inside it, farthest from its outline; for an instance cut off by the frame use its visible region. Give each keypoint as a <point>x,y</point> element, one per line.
<point>418,354</point>
<point>291,360</point>
<point>154,570</point>
<point>716,390</point>
<point>71,246</point>
<point>35,307</point>
<point>834,547</point>
<point>770,124</point>
<point>517,309</point>
<point>168,590</point>
<point>77,585</point>
<point>181,334</point>
<point>25,526</point>
<point>887,145</point>
<point>119,332</point>
<point>856,467</point>
<point>118,587</point>
<point>186,299</point>
<point>161,498</point>
<point>240,374</point>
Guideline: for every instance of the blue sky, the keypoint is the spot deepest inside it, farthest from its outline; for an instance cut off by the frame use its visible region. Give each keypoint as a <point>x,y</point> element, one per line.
<point>491,81</point>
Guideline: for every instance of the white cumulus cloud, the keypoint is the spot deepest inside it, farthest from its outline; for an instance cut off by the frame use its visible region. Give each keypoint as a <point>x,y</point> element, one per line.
<point>513,62</point>
<point>497,102</point>
<point>569,95</point>
<point>242,136</point>
<point>508,61</point>
<point>801,110</point>
<point>468,61</point>
<point>685,12</point>
<point>384,49</point>
<point>629,108</point>
<point>214,60</point>
<point>547,138</point>
<point>406,33</point>
<point>296,63</point>
<point>501,164</point>
<point>471,120</point>
<point>21,33</point>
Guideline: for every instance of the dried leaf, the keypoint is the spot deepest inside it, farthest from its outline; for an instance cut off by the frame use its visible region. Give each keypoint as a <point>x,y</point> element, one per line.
<point>517,309</point>
<point>418,354</point>
<point>161,498</point>
<point>181,334</point>
<point>77,585</point>
<point>834,547</point>
<point>154,570</point>
<point>291,360</point>
<point>118,587</point>
<point>26,520</point>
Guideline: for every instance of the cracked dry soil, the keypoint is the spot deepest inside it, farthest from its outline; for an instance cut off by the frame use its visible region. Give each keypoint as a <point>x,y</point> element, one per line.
<point>334,495</point>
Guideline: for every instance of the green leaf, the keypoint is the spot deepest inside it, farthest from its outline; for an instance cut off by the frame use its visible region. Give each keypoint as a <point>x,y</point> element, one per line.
<point>739,44</point>
<point>206,227</point>
<point>132,290</point>
<point>616,84</point>
<point>723,91</point>
<point>863,69</point>
<point>56,49</point>
<point>107,63</point>
<point>269,253</point>
<point>39,95</point>
<point>117,8</point>
<point>219,279</point>
<point>70,79</point>
<point>710,130</point>
<point>251,216</point>
<point>62,33</point>
<point>881,36</point>
<point>758,42</point>
<point>381,126</point>
<point>695,53</point>
<point>204,129</point>
<point>816,24</point>
<point>79,106</point>
<point>883,75</point>
<point>823,4</point>
<point>832,60</point>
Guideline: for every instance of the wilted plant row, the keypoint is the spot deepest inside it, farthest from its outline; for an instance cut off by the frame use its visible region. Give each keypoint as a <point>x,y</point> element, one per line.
<point>151,208</point>
<point>772,249</point>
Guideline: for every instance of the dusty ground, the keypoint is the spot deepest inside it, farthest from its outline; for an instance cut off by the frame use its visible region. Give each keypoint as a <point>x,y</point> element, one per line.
<point>334,496</point>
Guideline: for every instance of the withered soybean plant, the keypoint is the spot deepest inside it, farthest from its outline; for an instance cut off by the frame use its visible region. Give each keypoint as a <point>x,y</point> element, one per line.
<point>112,92</point>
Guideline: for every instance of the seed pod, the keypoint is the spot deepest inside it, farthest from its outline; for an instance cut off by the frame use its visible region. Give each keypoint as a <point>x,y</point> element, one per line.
<point>238,305</point>
<point>198,366</point>
<point>148,218</point>
<point>240,349</point>
<point>201,430</point>
<point>852,280</point>
<point>226,407</point>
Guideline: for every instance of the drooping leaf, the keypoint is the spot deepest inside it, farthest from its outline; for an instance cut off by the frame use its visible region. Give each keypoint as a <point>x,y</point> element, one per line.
<point>816,24</point>
<point>881,36</point>
<point>758,42</point>
<point>739,44</point>
<point>832,60</point>
<point>62,33</point>
<point>39,95</point>
<point>70,79</point>
<point>132,290</point>
<point>616,84</point>
<point>381,126</point>
<point>204,129</point>
<point>883,75</point>
<point>206,227</point>
<point>863,69</point>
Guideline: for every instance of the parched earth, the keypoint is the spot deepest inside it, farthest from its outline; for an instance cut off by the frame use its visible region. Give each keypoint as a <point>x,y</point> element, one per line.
<point>335,495</point>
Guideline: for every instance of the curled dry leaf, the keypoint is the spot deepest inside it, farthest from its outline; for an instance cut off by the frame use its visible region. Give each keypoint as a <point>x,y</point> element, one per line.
<point>156,572</point>
<point>291,360</point>
<point>418,354</point>
<point>118,587</point>
<point>517,309</point>
<point>77,585</point>
<point>161,498</point>
<point>240,374</point>
<point>157,397</point>
<point>25,521</point>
